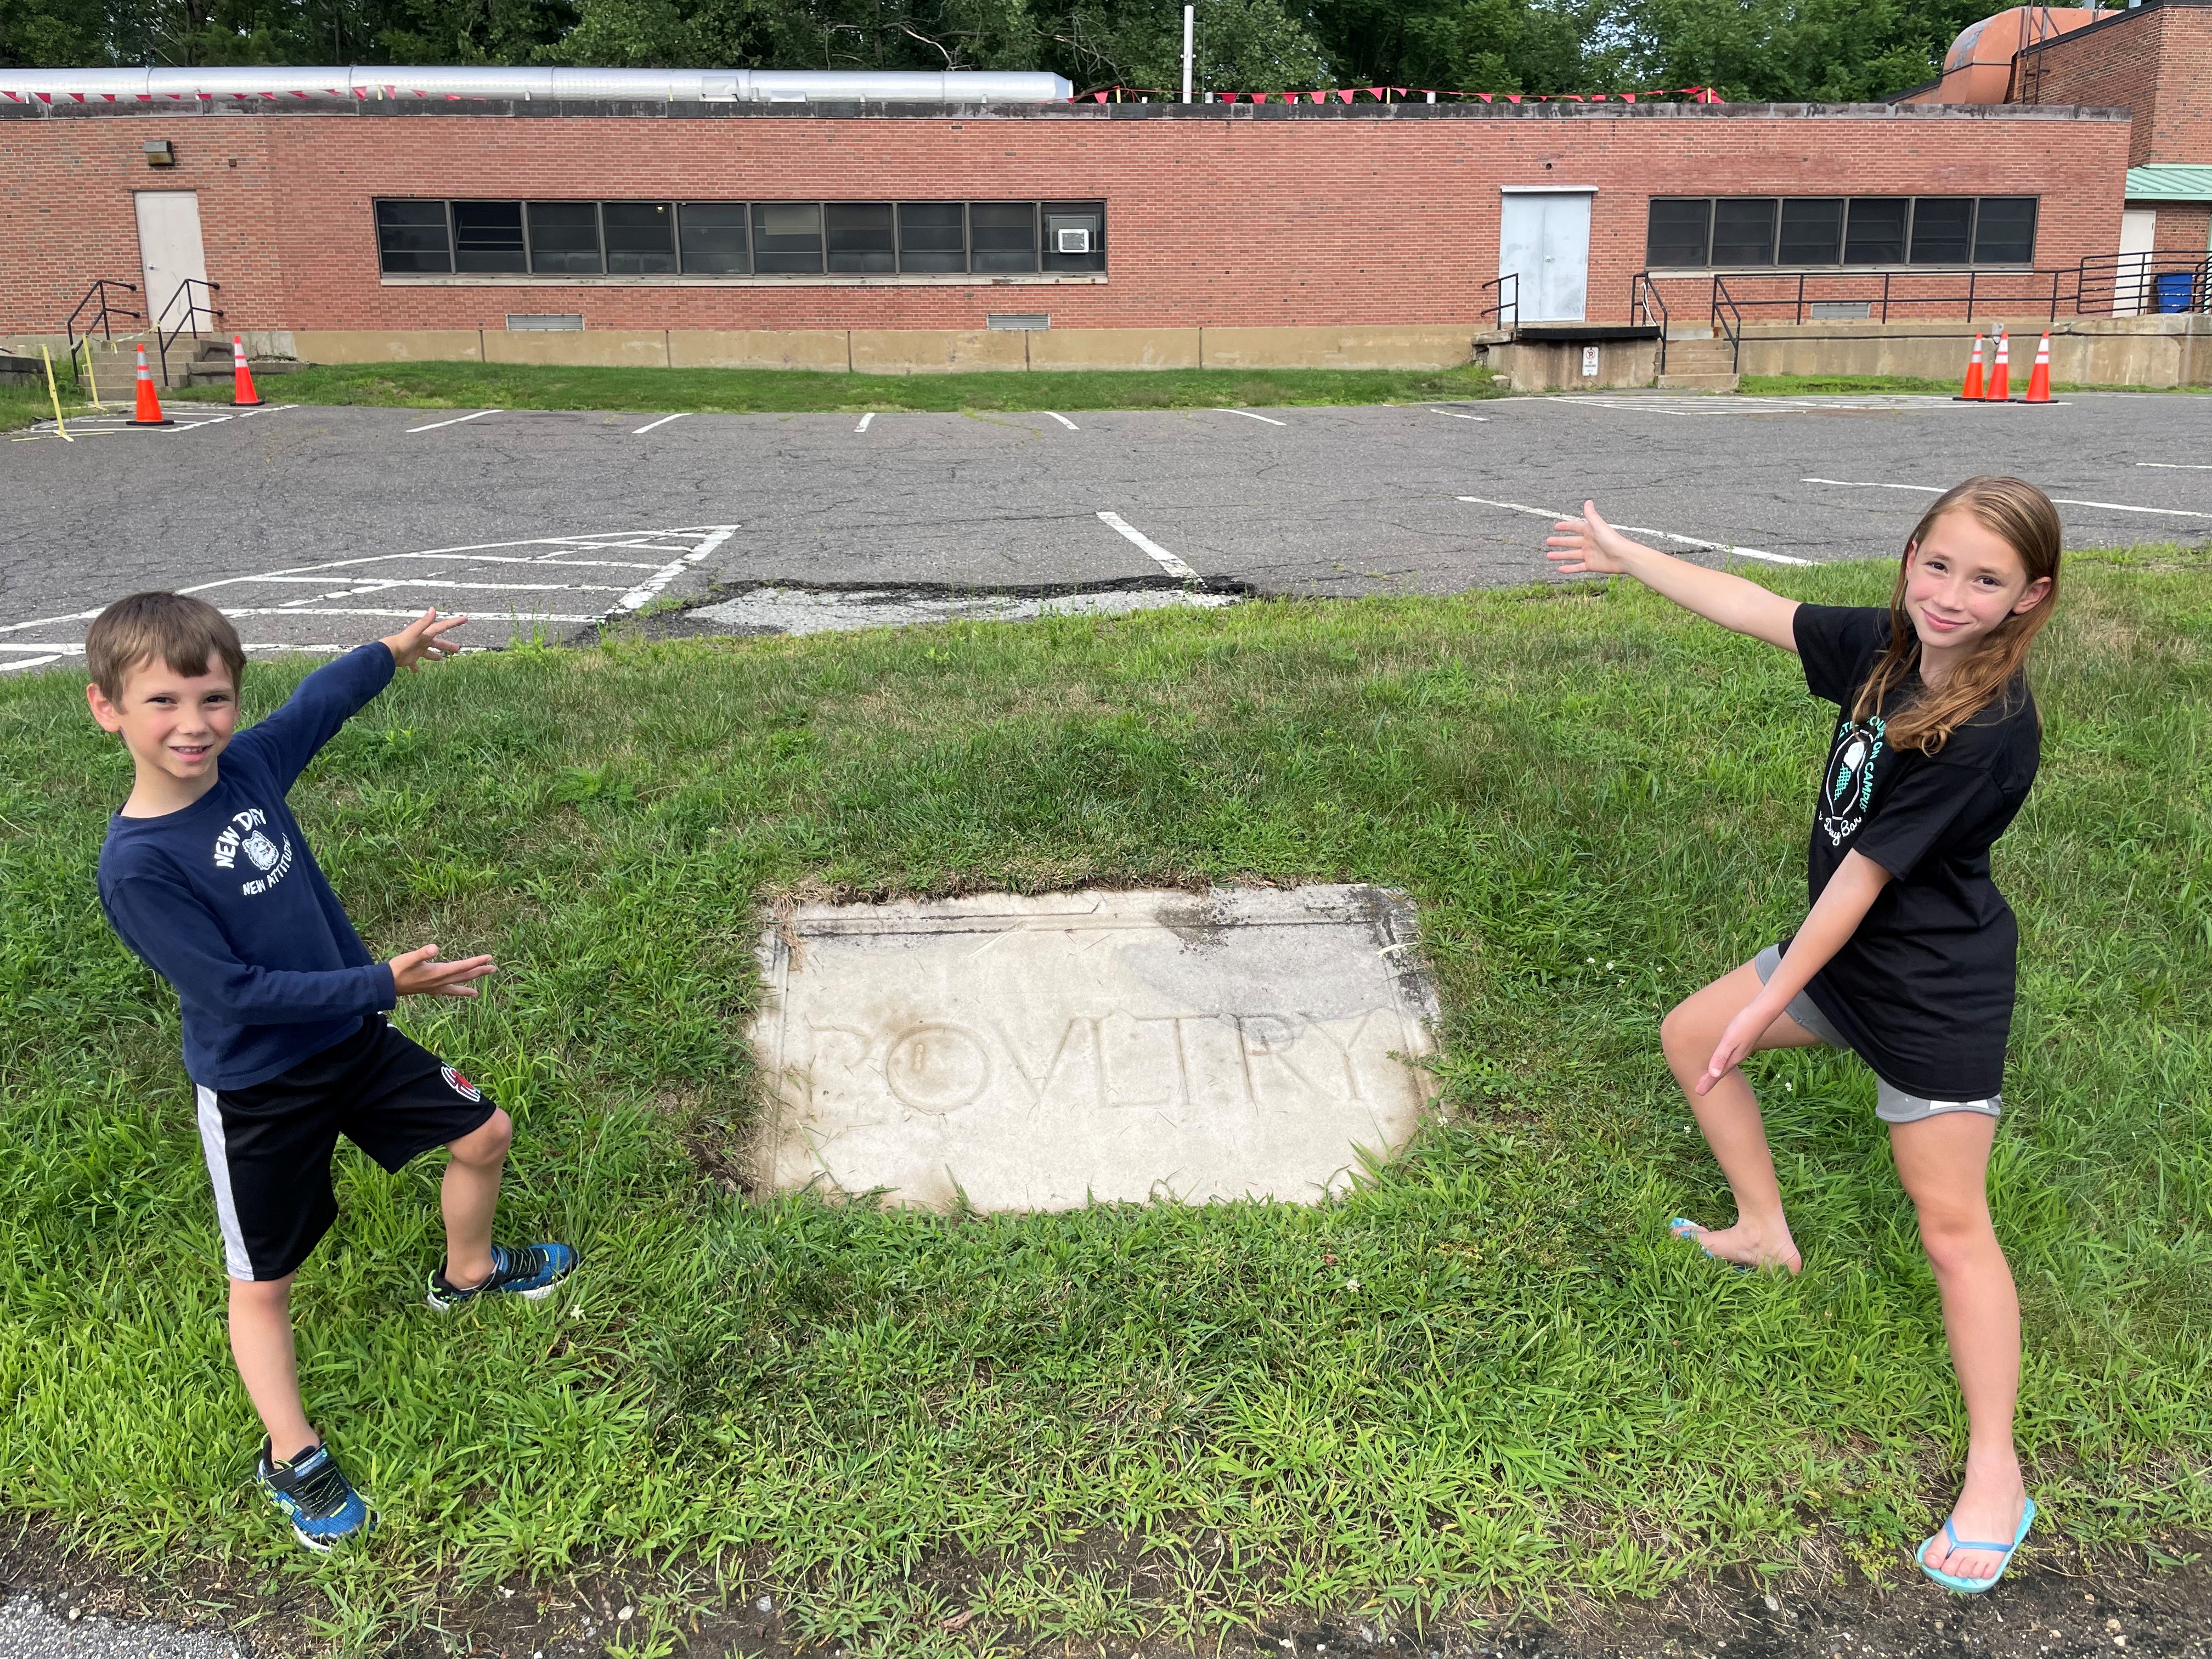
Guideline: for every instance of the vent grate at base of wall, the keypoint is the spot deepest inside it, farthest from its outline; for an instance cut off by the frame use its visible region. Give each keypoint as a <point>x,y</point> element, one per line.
<point>523,321</point>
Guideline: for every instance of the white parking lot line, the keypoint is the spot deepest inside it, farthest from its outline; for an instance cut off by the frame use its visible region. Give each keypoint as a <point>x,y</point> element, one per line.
<point>2179,466</point>
<point>1249,415</point>
<point>663,421</point>
<point>1159,554</point>
<point>646,590</point>
<point>1064,422</point>
<point>1458,416</point>
<point>863,426</point>
<point>458,420</point>
<point>2062,501</point>
<point>1646,529</point>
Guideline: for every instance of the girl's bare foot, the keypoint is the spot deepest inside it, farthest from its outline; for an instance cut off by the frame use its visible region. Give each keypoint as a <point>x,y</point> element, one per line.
<point>1988,1511</point>
<point>1747,1246</point>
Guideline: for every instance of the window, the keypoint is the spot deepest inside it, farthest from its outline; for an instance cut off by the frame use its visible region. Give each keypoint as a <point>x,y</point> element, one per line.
<point>787,236</point>
<point>1002,236</point>
<point>414,236</point>
<point>1743,230</point>
<point>713,238</point>
<point>676,239</point>
<point>932,235</point>
<point>641,238</point>
<point>1732,231</point>
<point>1875,233</point>
<point>564,236</point>
<point>1681,232</point>
<point>1812,231</point>
<point>860,236</point>
<point>1942,230</point>
<point>488,236</point>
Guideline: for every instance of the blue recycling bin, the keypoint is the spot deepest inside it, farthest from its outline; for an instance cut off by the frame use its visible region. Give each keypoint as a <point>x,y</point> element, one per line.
<point>2177,290</point>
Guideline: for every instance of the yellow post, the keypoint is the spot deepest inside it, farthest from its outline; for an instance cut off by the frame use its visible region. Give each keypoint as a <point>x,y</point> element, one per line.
<point>91,383</point>
<point>54,392</point>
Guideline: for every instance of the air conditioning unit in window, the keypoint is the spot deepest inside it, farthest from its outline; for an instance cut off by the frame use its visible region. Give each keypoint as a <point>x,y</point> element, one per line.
<point>1065,240</point>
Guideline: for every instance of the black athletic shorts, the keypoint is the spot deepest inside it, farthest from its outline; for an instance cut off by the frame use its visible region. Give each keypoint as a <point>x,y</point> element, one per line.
<point>269,1146</point>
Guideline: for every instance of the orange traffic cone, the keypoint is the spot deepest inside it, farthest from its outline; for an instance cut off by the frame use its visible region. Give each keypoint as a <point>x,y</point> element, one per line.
<point>2001,372</point>
<point>243,396</point>
<point>2039,378</point>
<point>150,406</point>
<point>1972,392</point>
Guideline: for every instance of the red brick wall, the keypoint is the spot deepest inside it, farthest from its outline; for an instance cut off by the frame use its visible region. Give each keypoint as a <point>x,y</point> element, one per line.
<point>1324,217</point>
<point>2184,225</point>
<point>2156,60</point>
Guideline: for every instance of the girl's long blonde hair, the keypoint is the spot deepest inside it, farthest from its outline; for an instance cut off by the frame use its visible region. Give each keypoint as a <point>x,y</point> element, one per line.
<point>2021,515</point>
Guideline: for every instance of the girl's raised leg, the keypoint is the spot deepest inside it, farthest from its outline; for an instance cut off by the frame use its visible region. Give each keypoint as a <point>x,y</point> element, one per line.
<point>1944,1164</point>
<point>1728,1114</point>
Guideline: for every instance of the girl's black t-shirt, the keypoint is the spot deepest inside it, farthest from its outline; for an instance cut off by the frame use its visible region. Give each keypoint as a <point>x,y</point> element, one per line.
<point>1924,989</point>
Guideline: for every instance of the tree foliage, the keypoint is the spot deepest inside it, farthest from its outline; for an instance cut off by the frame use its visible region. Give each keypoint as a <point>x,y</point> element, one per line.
<point>1789,50</point>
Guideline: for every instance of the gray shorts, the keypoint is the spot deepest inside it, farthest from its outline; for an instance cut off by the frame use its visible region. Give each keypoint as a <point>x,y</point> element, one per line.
<point>1892,1104</point>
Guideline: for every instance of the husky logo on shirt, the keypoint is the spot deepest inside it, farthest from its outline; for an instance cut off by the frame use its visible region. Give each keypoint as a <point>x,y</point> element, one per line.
<point>460,1084</point>
<point>243,834</point>
<point>1849,788</point>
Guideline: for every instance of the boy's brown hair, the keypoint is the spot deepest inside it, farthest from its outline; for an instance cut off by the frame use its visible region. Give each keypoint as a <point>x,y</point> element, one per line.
<point>175,629</point>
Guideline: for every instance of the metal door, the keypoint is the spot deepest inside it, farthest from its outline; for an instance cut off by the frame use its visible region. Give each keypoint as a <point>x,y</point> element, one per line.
<point>2132,279</point>
<point>169,248</point>
<point>1544,239</point>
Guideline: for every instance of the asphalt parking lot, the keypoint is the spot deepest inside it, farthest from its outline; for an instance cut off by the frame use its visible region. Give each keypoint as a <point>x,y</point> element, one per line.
<point>320,527</point>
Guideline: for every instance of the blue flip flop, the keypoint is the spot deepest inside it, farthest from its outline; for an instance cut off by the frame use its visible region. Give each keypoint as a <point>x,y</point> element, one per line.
<point>1975,1586</point>
<point>1687,1230</point>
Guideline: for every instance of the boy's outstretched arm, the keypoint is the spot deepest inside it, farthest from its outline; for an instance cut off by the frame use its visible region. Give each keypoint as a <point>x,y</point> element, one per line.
<point>422,641</point>
<point>1590,545</point>
<point>336,692</point>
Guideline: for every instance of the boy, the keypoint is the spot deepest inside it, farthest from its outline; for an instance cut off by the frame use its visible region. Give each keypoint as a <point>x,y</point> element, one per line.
<point>207,877</point>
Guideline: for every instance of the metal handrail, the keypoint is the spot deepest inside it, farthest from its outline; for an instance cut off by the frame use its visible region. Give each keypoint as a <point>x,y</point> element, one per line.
<point>164,336</point>
<point>2098,285</point>
<point>1644,299</point>
<point>1505,303</point>
<point>101,318</point>
<point>2135,275</point>
<point>1725,307</point>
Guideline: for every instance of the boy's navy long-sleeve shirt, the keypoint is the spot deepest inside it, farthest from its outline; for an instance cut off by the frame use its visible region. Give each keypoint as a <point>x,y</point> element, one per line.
<point>224,900</point>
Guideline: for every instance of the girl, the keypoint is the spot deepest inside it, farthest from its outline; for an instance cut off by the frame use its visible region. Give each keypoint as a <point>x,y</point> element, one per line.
<point>1906,957</point>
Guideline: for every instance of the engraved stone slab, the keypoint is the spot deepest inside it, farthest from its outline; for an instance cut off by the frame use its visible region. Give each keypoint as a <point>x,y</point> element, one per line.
<point>1036,1053</point>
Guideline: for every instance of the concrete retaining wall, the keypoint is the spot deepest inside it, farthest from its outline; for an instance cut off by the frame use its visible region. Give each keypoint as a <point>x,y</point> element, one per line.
<point>2146,351</point>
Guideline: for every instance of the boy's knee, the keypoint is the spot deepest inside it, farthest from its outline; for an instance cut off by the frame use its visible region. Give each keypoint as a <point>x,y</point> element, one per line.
<point>1953,1235</point>
<point>1676,1032</point>
<point>488,1142</point>
<point>262,1294</point>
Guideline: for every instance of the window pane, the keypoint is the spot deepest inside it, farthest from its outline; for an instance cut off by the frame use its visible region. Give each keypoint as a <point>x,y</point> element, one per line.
<point>641,238</point>
<point>1743,230</point>
<point>1942,229</point>
<point>787,236</point>
<point>1874,234</point>
<point>411,236</point>
<point>1681,231</point>
<point>860,236</point>
<point>932,235</point>
<point>564,236</point>
<point>713,238</point>
<point>1003,235</point>
<point>488,236</point>
<point>1812,230</point>
<point>2005,231</point>
<point>1064,251</point>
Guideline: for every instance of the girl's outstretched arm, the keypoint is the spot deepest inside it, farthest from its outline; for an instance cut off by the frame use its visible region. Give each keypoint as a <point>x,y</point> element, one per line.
<point>1835,916</point>
<point>1589,544</point>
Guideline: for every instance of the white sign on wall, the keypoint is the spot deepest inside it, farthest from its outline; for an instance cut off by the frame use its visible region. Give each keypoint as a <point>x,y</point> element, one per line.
<point>1590,361</point>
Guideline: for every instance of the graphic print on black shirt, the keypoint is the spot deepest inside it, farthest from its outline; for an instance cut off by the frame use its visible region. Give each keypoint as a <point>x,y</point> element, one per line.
<point>1923,989</point>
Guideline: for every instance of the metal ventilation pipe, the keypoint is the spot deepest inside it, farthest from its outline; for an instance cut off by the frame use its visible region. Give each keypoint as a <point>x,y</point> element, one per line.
<point>675,85</point>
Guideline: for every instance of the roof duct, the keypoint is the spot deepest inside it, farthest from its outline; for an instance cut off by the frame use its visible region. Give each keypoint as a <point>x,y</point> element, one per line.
<point>675,86</point>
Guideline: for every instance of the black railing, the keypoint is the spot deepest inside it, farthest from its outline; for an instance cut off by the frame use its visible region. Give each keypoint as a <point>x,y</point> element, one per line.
<point>2159,281</point>
<point>103,313</point>
<point>1729,321</point>
<point>1509,300</point>
<point>167,333</point>
<point>1645,305</point>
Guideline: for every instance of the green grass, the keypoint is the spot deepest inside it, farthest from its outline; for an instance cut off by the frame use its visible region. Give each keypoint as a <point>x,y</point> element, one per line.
<point>1132,1419</point>
<point>1790,385</point>
<point>783,391</point>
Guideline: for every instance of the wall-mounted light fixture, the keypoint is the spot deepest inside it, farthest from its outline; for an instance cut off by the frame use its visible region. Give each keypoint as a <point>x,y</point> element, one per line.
<point>160,153</point>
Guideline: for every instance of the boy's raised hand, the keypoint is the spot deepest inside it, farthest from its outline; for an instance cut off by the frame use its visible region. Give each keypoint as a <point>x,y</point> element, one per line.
<point>423,640</point>
<point>418,973</point>
<point>1588,545</point>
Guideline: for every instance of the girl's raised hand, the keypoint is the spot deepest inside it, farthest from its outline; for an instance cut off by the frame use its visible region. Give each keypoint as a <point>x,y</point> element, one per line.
<point>1588,545</point>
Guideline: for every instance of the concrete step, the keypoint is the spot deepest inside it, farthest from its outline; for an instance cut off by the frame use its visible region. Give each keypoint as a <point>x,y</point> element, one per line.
<point>1699,357</point>
<point>212,368</point>
<point>1673,382</point>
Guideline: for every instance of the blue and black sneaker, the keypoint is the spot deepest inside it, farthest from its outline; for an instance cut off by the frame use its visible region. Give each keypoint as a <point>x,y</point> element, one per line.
<point>317,1499</point>
<point>529,1272</point>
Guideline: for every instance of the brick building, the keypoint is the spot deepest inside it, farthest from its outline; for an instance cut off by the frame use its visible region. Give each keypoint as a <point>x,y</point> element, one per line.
<point>902,236</point>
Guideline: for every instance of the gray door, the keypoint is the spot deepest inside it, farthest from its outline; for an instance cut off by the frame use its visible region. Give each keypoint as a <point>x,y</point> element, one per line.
<point>169,249</point>
<point>1544,239</point>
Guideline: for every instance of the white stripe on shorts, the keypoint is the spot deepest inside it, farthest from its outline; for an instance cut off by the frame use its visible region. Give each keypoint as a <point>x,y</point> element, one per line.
<point>217,1148</point>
